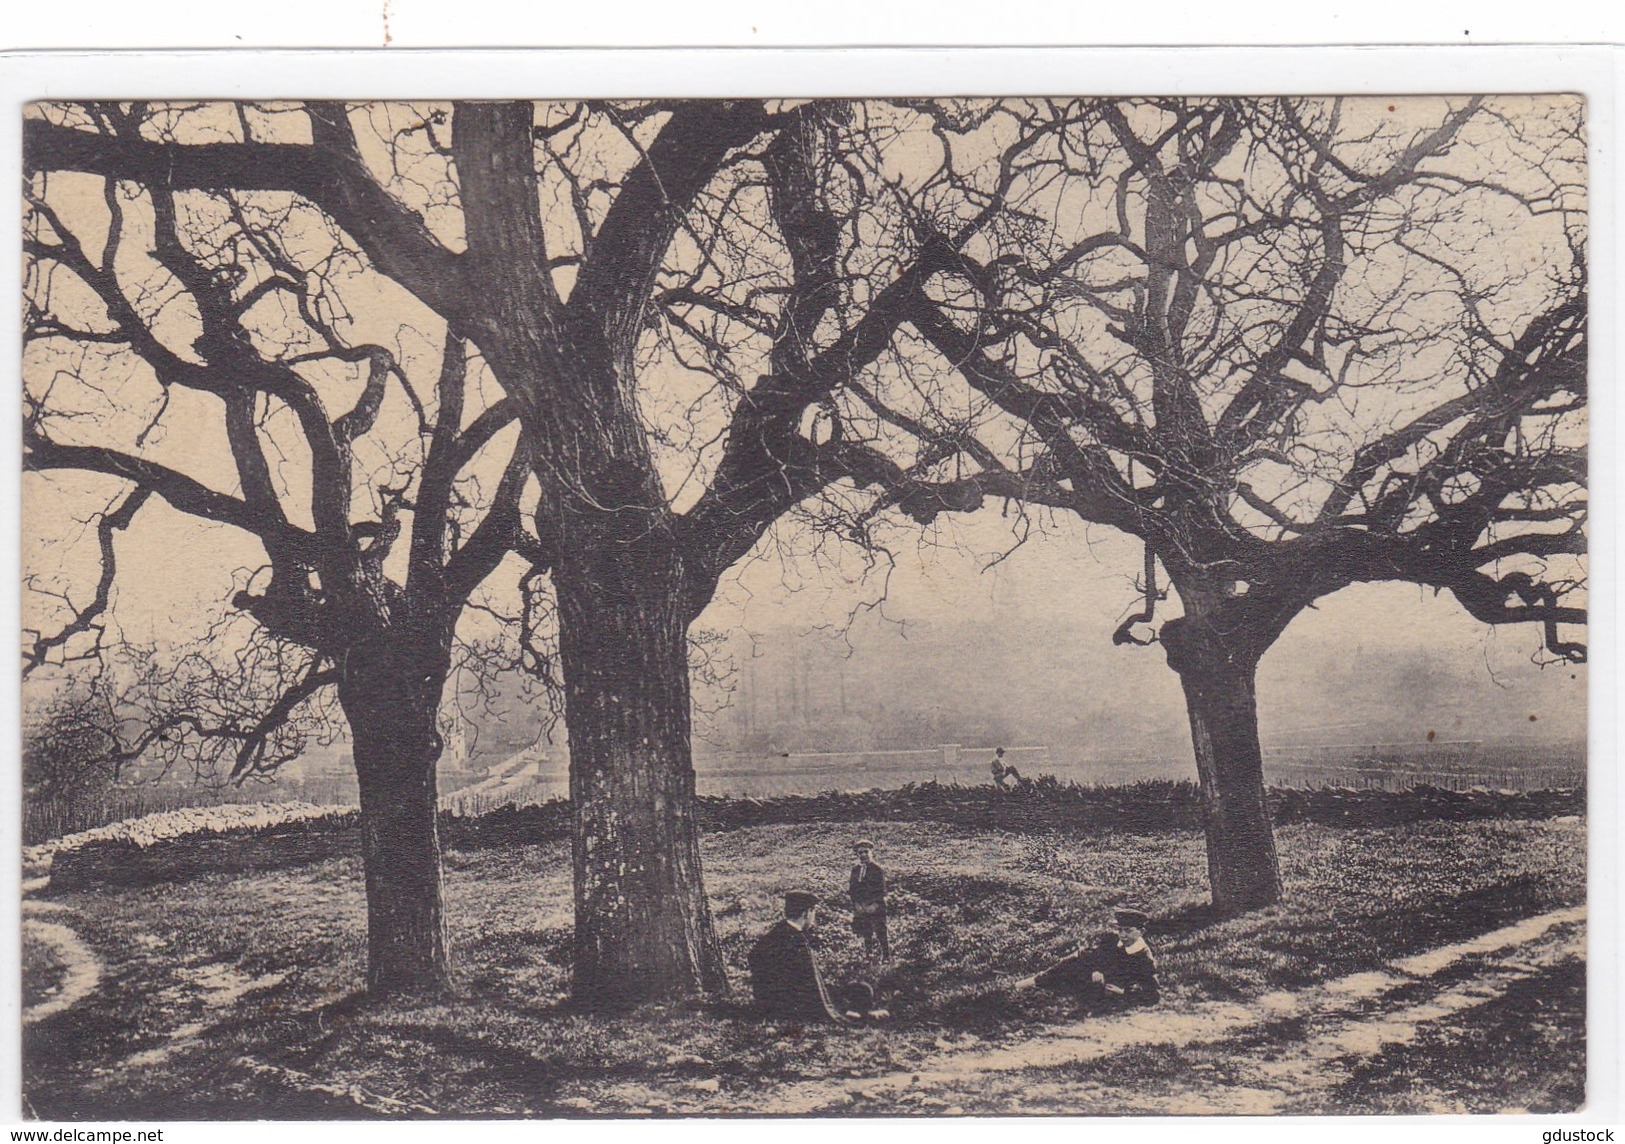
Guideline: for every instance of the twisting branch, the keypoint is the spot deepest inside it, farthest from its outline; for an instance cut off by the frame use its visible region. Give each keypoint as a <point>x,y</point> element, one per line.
<point>85,619</point>
<point>181,491</point>
<point>1125,630</point>
<point>251,755</point>
<point>330,173</point>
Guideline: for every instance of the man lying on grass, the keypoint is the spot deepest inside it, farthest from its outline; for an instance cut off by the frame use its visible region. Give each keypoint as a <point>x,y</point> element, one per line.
<point>1119,966</point>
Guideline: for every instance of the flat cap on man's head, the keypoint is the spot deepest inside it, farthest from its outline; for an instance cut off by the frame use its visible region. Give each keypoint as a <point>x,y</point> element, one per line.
<point>1131,916</point>
<point>863,844</point>
<point>798,902</point>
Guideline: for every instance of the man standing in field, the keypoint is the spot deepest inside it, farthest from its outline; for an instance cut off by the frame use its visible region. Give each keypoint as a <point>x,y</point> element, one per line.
<point>783,973</point>
<point>868,889</point>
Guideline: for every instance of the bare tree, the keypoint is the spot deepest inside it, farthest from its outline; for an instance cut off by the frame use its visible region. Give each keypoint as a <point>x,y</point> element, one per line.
<point>70,745</point>
<point>702,314</point>
<point>219,713</point>
<point>722,242</point>
<point>156,296</point>
<point>1292,345</point>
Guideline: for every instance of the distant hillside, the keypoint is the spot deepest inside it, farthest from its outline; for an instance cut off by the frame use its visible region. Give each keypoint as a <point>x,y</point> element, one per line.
<point>1063,684</point>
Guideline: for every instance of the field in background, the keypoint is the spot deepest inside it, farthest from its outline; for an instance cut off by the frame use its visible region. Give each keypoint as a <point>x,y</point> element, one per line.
<point>1451,766</point>
<point>525,781</point>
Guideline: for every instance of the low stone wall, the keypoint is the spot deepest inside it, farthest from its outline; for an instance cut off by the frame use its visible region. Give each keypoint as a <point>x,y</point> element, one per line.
<point>1150,807</point>
<point>117,862</point>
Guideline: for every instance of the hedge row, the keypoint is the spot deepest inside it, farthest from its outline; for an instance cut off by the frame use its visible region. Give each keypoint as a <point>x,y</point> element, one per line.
<point>146,857</point>
<point>1146,807</point>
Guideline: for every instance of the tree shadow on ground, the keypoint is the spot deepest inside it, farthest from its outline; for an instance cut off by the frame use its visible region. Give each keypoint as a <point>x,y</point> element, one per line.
<point>1185,922</point>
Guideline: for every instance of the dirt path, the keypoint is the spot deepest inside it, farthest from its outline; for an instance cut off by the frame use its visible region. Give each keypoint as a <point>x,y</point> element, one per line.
<point>81,969</point>
<point>1345,1020</point>
<point>1342,1009</point>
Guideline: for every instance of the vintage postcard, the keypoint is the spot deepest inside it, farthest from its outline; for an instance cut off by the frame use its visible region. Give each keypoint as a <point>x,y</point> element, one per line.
<point>688,607</point>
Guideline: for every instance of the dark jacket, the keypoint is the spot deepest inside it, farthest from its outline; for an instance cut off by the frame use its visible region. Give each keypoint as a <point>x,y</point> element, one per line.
<point>1075,974</point>
<point>784,977</point>
<point>1134,973</point>
<point>868,888</point>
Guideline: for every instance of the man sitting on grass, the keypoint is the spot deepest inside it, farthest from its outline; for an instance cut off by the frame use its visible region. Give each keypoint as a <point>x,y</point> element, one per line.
<point>1137,965</point>
<point>1118,966</point>
<point>783,973</point>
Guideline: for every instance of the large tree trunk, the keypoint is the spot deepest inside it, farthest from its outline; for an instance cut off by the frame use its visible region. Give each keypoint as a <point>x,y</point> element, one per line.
<point>643,928</point>
<point>391,696</point>
<point>1220,697</point>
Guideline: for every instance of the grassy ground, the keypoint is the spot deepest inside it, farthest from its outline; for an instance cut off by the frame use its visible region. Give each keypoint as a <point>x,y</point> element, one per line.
<point>46,971</point>
<point>231,996</point>
<point>1480,1064</point>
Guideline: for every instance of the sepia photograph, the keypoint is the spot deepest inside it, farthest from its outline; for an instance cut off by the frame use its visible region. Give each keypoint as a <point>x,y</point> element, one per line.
<point>985,606</point>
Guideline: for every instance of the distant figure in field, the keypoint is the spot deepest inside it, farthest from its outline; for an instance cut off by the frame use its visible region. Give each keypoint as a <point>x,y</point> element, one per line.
<point>783,973</point>
<point>1002,771</point>
<point>868,889</point>
<point>1118,965</point>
